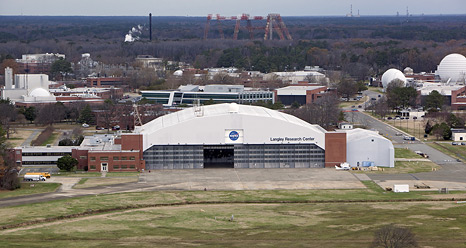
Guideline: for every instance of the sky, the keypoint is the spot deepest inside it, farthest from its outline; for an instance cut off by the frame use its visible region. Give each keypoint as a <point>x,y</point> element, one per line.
<point>228,8</point>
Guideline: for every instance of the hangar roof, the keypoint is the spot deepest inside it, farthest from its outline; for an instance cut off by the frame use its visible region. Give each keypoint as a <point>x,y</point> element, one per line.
<point>208,124</point>
<point>218,110</point>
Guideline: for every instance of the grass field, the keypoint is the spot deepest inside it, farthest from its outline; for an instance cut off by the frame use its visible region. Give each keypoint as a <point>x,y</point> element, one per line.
<point>26,189</point>
<point>404,167</point>
<point>255,224</point>
<point>458,152</point>
<point>122,174</point>
<point>51,139</point>
<point>405,153</point>
<point>78,174</point>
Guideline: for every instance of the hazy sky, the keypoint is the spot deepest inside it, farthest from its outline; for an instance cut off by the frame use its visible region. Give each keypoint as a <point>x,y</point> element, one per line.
<point>228,8</point>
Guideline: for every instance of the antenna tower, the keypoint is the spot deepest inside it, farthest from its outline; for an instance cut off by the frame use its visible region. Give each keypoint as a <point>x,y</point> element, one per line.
<point>137,117</point>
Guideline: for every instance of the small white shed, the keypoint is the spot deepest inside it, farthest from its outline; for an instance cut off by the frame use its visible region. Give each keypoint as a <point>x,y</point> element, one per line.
<point>400,188</point>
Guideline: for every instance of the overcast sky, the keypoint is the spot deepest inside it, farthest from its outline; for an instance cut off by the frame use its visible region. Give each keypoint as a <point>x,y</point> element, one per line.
<point>228,8</point>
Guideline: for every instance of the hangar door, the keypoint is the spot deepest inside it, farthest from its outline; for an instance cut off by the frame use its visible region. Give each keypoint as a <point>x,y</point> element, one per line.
<point>219,156</point>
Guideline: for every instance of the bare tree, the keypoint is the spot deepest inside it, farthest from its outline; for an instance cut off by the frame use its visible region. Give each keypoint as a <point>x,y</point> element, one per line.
<point>324,111</point>
<point>7,115</point>
<point>391,236</point>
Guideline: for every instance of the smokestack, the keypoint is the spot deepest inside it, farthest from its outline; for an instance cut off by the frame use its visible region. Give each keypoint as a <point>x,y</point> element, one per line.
<point>150,26</point>
<point>8,78</point>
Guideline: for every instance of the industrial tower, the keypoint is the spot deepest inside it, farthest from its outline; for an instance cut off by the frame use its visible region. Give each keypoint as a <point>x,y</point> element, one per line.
<point>274,23</point>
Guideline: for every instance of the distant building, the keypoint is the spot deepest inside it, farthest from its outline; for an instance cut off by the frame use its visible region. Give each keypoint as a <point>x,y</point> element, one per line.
<point>26,87</point>
<point>148,61</point>
<point>297,76</point>
<point>188,94</point>
<point>455,95</point>
<point>300,94</point>
<point>458,135</point>
<point>38,63</point>
<point>104,152</point>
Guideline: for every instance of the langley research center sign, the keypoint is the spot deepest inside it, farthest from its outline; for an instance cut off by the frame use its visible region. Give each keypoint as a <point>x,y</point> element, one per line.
<point>291,139</point>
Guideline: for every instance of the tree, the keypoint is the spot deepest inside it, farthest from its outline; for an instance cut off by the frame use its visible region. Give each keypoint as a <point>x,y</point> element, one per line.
<point>391,236</point>
<point>434,100</point>
<point>60,68</point>
<point>8,169</point>
<point>347,88</point>
<point>428,127</point>
<point>381,107</point>
<point>7,115</point>
<point>67,163</point>
<point>442,130</point>
<point>324,111</point>
<point>51,113</point>
<point>455,122</point>
<point>30,114</point>
<point>86,115</point>
<point>400,96</point>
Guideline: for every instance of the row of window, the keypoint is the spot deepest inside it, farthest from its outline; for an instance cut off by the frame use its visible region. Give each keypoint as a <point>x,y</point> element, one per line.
<point>116,167</point>
<point>115,158</point>
<point>46,154</point>
<point>38,162</point>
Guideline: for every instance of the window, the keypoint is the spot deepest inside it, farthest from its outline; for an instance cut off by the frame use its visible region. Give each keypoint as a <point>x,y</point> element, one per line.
<point>131,158</point>
<point>124,158</point>
<point>124,167</point>
<point>103,158</point>
<point>116,167</point>
<point>92,167</point>
<point>116,158</point>
<point>92,158</point>
<point>132,166</point>
<point>83,157</point>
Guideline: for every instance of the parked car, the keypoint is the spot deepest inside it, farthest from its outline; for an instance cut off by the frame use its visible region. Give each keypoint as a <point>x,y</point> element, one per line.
<point>99,128</point>
<point>117,127</point>
<point>389,118</point>
<point>414,117</point>
<point>359,106</point>
<point>85,125</point>
<point>454,143</point>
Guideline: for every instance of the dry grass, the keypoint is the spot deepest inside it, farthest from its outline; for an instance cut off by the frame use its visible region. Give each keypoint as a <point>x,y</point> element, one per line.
<point>20,135</point>
<point>94,182</point>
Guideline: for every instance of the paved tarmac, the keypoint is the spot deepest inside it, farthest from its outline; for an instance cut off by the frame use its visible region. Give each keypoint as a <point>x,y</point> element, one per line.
<point>205,179</point>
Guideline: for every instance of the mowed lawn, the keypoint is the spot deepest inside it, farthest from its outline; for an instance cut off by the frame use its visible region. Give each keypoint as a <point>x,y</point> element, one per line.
<point>272,218</point>
<point>435,224</point>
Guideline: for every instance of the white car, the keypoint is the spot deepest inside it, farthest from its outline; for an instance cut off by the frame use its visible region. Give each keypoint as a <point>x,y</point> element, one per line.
<point>85,125</point>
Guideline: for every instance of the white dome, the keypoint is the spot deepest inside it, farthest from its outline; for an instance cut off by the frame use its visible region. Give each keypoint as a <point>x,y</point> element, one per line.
<point>408,71</point>
<point>452,67</point>
<point>39,92</point>
<point>178,73</point>
<point>392,74</point>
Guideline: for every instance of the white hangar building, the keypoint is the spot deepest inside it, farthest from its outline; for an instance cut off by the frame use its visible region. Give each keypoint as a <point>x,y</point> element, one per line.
<point>363,146</point>
<point>239,136</point>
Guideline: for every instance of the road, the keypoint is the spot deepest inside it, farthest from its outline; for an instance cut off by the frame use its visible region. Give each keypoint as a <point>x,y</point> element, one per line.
<point>452,170</point>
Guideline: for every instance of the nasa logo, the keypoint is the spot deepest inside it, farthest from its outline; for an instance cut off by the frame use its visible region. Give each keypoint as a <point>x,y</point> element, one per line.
<point>234,135</point>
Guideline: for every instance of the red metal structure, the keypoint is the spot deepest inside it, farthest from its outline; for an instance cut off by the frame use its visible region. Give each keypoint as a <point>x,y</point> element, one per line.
<point>274,23</point>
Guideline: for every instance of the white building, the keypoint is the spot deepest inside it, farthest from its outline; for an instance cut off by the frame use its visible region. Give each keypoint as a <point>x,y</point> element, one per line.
<point>452,68</point>
<point>26,87</point>
<point>368,146</point>
<point>296,76</point>
<point>242,136</point>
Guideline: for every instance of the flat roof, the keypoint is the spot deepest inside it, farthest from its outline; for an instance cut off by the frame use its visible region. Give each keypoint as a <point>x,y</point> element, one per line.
<point>297,90</point>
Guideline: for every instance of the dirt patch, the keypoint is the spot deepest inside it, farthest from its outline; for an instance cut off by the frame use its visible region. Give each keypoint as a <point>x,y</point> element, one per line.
<point>420,216</point>
<point>94,182</point>
<point>19,137</point>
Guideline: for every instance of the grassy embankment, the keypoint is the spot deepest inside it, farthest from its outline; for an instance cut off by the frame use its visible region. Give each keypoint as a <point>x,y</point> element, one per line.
<point>280,218</point>
<point>28,189</point>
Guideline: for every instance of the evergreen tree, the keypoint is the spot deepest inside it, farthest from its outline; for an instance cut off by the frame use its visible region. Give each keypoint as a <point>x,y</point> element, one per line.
<point>86,115</point>
<point>67,163</point>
